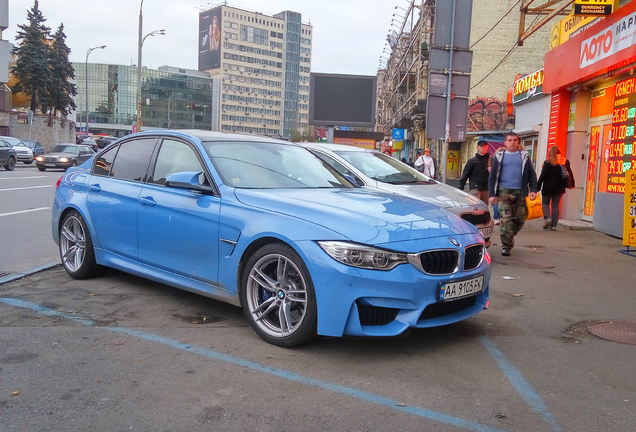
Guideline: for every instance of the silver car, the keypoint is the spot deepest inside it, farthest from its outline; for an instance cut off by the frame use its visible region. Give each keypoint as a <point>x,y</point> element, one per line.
<point>22,151</point>
<point>374,169</point>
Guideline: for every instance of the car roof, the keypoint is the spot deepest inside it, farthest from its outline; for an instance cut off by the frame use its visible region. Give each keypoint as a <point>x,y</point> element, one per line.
<point>203,135</point>
<point>8,138</point>
<point>337,147</point>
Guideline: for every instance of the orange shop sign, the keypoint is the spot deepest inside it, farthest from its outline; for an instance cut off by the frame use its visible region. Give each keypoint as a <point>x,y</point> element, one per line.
<point>527,87</point>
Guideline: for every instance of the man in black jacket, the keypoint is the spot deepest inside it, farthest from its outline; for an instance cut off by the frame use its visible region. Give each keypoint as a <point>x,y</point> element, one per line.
<point>476,170</point>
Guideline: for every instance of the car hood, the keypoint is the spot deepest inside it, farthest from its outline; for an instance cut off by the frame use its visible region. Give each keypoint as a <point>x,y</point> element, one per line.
<point>363,215</point>
<point>439,194</point>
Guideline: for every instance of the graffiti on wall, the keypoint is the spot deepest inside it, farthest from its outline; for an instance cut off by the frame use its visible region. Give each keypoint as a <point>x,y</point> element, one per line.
<point>488,114</point>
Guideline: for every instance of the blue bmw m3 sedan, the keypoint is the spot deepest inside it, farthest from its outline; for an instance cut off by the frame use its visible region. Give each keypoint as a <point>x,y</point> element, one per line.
<point>265,225</point>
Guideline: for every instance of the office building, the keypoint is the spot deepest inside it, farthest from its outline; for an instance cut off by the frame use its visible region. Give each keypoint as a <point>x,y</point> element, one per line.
<point>263,63</point>
<point>172,98</point>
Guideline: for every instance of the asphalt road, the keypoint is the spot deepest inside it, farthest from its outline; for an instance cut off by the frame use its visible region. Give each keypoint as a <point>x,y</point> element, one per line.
<point>121,353</point>
<point>26,197</point>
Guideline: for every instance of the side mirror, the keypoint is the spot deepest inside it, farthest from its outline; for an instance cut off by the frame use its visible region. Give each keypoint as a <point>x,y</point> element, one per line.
<point>191,180</point>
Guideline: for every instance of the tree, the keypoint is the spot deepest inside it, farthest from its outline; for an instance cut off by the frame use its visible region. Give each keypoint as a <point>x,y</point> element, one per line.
<point>32,71</point>
<point>62,90</point>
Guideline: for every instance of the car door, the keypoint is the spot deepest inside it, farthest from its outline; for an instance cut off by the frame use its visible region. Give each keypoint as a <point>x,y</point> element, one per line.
<point>85,154</point>
<point>179,228</point>
<point>113,198</point>
<point>4,152</point>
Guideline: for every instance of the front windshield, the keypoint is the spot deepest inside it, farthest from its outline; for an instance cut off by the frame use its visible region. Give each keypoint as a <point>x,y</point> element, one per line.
<point>65,149</point>
<point>271,166</point>
<point>18,145</point>
<point>383,168</point>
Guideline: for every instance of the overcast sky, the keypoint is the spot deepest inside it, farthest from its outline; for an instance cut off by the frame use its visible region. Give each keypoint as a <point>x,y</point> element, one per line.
<point>348,35</point>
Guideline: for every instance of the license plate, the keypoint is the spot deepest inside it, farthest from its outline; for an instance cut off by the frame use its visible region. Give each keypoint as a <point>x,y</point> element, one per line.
<point>486,232</point>
<point>455,290</point>
<point>49,164</point>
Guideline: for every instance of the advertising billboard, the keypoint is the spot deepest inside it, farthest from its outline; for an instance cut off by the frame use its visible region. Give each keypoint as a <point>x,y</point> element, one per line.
<point>210,39</point>
<point>342,100</point>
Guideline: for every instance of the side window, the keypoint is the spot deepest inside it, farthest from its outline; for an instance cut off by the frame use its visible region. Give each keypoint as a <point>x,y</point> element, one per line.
<point>338,167</point>
<point>104,162</point>
<point>133,157</point>
<point>174,157</point>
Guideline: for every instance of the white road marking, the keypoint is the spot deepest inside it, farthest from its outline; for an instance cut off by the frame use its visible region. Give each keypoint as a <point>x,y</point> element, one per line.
<point>19,178</point>
<point>29,187</point>
<point>25,211</point>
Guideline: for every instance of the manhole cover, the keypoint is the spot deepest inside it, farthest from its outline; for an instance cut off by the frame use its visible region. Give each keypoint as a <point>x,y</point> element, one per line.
<point>622,332</point>
<point>522,262</point>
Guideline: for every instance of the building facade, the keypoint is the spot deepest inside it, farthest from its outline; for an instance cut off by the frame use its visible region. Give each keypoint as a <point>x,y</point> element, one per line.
<point>171,97</point>
<point>263,63</point>
<point>591,116</point>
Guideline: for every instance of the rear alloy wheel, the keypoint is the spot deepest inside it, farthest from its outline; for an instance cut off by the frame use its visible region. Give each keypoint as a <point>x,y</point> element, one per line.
<point>278,296</point>
<point>76,247</point>
<point>10,164</point>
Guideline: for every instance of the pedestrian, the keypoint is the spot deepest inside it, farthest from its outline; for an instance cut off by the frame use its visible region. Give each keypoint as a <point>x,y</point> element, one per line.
<point>387,152</point>
<point>495,207</point>
<point>476,172</point>
<point>425,164</point>
<point>552,186</point>
<point>512,178</point>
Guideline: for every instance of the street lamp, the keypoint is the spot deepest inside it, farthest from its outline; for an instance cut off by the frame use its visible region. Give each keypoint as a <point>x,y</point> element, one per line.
<point>141,43</point>
<point>86,76</point>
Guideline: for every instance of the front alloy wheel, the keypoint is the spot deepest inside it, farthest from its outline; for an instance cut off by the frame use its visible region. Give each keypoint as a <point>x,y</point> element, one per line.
<point>76,247</point>
<point>278,296</point>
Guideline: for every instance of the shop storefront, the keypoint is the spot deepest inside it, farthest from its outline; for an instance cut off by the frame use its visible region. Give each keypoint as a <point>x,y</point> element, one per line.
<point>592,111</point>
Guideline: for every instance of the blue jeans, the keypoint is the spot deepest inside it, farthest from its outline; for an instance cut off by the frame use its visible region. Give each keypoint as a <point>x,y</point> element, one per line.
<point>545,204</point>
<point>495,211</point>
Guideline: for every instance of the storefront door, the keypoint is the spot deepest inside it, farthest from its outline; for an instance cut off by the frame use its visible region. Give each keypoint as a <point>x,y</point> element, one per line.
<point>599,135</point>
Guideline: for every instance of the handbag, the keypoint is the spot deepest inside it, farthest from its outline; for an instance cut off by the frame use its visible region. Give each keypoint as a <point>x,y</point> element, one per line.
<point>534,207</point>
<point>565,177</point>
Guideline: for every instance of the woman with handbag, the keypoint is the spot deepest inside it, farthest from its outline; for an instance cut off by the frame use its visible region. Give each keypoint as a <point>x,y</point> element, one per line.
<point>556,176</point>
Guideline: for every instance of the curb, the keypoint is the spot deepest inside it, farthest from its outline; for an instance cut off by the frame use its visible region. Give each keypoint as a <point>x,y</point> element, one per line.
<point>34,270</point>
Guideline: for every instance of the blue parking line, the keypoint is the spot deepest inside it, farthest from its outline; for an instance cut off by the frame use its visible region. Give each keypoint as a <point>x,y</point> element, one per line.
<point>16,276</point>
<point>523,387</point>
<point>281,373</point>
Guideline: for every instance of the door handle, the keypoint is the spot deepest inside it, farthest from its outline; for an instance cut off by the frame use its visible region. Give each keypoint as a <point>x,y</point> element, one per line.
<point>147,201</point>
<point>95,188</point>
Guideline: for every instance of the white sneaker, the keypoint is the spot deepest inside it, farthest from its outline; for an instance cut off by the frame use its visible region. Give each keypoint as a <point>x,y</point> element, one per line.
<point>496,221</point>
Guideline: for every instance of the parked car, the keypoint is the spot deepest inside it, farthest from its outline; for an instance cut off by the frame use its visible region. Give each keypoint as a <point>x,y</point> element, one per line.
<point>7,155</point>
<point>265,225</point>
<point>23,153</point>
<point>374,169</point>
<point>36,147</point>
<point>64,156</point>
<point>105,141</point>
<point>91,143</point>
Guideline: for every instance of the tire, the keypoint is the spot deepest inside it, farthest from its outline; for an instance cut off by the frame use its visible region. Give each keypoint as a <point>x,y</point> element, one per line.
<point>265,299</point>
<point>76,247</point>
<point>42,168</point>
<point>10,164</point>
<point>73,165</point>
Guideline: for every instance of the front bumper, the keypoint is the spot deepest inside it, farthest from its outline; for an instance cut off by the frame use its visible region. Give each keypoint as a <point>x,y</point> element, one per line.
<point>24,157</point>
<point>358,302</point>
<point>54,165</point>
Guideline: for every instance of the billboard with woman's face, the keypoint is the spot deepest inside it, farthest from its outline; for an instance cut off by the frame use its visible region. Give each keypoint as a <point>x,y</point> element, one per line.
<point>210,39</point>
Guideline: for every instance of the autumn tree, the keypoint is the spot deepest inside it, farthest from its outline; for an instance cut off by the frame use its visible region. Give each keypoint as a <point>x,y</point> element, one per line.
<point>32,67</point>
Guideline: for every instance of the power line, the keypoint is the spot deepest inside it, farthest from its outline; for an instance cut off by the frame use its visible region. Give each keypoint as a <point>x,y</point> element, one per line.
<point>496,24</point>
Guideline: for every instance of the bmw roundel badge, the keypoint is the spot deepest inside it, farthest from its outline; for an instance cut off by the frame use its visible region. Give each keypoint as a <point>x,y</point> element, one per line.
<point>453,241</point>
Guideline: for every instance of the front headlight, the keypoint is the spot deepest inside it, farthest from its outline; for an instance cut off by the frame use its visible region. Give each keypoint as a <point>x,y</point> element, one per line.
<point>63,159</point>
<point>39,159</point>
<point>356,255</point>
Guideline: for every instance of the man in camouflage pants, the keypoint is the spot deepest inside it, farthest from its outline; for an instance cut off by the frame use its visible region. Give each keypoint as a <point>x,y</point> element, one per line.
<point>512,178</point>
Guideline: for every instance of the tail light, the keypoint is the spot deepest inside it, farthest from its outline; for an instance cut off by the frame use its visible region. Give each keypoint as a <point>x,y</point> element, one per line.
<point>57,185</point>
